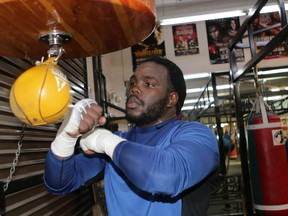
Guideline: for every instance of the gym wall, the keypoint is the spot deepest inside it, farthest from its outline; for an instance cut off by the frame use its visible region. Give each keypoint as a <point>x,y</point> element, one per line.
<point>26,194</point>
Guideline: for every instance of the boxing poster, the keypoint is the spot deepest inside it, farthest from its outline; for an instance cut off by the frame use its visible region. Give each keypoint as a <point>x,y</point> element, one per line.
<point>220,33</point>
<point>185,40</point>
<point>154,45</point>
<point>271,22</point>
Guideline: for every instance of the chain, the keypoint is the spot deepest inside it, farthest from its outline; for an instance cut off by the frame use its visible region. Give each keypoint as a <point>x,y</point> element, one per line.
<point>15,161</point>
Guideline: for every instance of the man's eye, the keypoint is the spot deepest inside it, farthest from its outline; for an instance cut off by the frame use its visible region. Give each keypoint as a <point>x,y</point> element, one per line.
<point>149,84</point>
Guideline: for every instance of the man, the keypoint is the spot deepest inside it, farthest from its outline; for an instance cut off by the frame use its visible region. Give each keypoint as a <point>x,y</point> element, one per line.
<point>162,166</point>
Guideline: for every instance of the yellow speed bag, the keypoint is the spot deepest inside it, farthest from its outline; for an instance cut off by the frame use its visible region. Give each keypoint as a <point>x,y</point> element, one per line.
<point>41,95</point>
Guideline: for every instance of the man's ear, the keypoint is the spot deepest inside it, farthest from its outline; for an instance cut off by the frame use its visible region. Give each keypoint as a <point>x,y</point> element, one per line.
<point>173,99</point>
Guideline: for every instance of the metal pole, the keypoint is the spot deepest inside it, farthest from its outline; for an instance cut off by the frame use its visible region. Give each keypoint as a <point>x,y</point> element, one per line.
<point>219,128</point>
<point>100,85</point>
<point>243,151</point>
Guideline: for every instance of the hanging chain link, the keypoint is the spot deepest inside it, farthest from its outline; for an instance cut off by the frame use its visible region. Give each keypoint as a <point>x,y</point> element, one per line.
<point>15,161</point>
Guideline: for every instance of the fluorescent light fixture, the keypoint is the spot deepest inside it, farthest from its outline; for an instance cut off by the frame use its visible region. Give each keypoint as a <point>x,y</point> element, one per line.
<point>278,97</point>
<point>188,19</point>
<point>275,90</point>
<point>275,71</point>
<point>196,76</point>
<point>219,87</point>
<point>194,90</point>
<point>191,101</point>
<point>192,107</point>
<point>187,108</point>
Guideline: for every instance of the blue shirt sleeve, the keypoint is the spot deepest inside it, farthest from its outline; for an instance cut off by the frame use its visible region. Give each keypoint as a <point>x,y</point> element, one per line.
<point>64,176</point>
<point>189,156</point>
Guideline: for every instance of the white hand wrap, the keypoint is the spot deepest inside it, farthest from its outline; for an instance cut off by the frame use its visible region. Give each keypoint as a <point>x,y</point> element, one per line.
<point>63,145</point>
<point>101,141</point>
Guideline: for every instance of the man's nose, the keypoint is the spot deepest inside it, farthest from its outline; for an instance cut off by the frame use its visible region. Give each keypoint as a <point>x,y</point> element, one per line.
<point>135,90</point>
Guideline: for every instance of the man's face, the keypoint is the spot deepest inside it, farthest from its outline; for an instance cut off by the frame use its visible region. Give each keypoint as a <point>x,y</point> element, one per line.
<point>148,95</point>
<point>214,32</point>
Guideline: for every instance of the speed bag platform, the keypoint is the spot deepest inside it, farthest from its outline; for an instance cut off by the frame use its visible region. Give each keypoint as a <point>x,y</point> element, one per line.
<point>268,164</point>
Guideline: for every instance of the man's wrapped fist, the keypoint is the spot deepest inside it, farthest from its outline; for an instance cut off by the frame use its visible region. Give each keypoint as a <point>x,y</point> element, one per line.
<point>101,141</point>
<point>64,143</point>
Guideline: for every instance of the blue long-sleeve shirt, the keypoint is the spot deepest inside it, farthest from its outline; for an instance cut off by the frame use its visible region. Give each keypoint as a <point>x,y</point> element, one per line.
<point>149,171</point>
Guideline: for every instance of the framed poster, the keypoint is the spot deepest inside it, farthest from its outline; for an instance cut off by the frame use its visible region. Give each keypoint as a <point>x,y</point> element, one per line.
<point>220,33</point>
<point>268,25</point>
<point>185,40</point>
<point>154,45</point>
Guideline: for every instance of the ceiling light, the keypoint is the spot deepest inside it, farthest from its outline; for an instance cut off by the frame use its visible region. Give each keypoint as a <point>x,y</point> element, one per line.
<point>274,71</point>
<point>194,90</point>
<point>187,108</point>
<point>275,89</point>
<point>279,97</point>
<point>188,19</point>
<point>219,87</point>
<point>189,101</point>
<point>196,76</point>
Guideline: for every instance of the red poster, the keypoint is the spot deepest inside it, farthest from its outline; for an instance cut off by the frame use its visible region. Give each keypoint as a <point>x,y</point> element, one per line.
<point>268,25</point>
<point>220,32</point>
<point>185,40</point>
